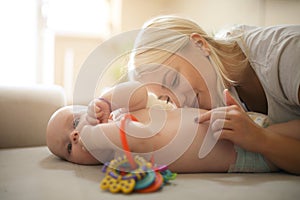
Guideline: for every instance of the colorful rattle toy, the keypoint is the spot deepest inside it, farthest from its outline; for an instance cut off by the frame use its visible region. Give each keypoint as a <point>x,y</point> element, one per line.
<point>129,174</point>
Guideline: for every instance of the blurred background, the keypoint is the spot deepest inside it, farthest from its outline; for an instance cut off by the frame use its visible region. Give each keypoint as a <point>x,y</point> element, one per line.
<point>46,41</point>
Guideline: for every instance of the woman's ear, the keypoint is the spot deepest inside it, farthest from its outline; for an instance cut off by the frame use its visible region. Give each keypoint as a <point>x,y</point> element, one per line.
<point>200,42</point>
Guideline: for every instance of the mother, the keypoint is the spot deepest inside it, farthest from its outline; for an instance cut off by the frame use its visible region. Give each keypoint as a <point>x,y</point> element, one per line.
<point>259,66</point>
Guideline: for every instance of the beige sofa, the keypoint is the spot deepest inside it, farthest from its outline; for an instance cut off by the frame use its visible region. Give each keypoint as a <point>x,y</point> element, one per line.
<point>29,171</point>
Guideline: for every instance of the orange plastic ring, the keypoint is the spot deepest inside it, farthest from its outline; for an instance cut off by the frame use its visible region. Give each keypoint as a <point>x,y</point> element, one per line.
<point>124,140</point>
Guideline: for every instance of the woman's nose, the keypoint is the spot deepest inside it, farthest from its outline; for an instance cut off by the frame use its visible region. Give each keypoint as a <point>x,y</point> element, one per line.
<point>180,99</point>
<point>187,99</point>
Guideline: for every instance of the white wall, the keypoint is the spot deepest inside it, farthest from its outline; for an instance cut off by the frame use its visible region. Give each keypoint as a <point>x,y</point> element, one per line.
<point>282,12</point>
<point>18,43</point>
<point>135,12</point>
<point>213,14</point>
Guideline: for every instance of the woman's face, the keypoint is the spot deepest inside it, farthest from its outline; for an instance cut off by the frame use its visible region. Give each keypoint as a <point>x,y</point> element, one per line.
<point>180,82</point>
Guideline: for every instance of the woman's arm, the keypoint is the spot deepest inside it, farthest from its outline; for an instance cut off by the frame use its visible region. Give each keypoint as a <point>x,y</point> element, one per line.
<point>282,145</point>
<point>279,143</point>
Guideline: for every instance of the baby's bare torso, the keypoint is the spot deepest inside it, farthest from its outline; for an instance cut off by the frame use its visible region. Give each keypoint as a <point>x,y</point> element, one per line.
<point>179,139</point>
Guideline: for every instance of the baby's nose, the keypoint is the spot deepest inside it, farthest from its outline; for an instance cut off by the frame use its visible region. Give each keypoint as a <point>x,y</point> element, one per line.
<point>74,136</point>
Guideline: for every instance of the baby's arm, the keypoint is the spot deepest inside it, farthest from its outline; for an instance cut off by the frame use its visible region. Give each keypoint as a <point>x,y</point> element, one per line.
<point>176,142</point>
<point>130,96</point>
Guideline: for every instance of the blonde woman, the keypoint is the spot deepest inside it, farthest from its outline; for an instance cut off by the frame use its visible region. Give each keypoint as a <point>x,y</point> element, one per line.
<point>260,66</point>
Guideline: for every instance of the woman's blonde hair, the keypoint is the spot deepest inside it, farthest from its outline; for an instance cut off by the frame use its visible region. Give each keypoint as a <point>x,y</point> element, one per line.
<point>164,35</point>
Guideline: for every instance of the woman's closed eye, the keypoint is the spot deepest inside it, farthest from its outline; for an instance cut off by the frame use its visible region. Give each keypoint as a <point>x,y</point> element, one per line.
<point>171,79</point>
<point>175,81</point>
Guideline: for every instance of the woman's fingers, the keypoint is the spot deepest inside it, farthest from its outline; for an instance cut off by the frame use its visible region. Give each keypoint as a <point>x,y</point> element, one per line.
<point>221,124</point>
<point>224,135</point>
<point>204,117</point>
<point>208,115</point>
<point>232,123</point>
<point>224,121</point>
<point>212,114</point>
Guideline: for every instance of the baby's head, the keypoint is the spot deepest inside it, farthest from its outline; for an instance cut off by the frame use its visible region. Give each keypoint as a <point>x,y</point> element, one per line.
<point>63,139</point>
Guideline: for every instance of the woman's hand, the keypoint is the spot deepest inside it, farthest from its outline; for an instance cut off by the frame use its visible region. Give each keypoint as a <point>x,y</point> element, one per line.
<point>232,123</point>
<point>98,111</point>
<point>278,143</point>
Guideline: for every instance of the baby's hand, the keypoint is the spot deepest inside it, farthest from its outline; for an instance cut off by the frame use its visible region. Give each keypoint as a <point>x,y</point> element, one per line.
<point>98,111</point>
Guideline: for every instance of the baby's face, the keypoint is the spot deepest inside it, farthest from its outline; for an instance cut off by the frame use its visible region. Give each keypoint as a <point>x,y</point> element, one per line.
<point>63,139</point>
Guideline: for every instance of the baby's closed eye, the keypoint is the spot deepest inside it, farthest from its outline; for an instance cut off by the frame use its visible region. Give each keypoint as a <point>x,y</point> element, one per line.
<point>75,122</point>
<point>69,148</point>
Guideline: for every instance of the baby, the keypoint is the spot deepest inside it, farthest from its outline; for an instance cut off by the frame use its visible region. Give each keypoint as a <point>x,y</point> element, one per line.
<point>87,135</point>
